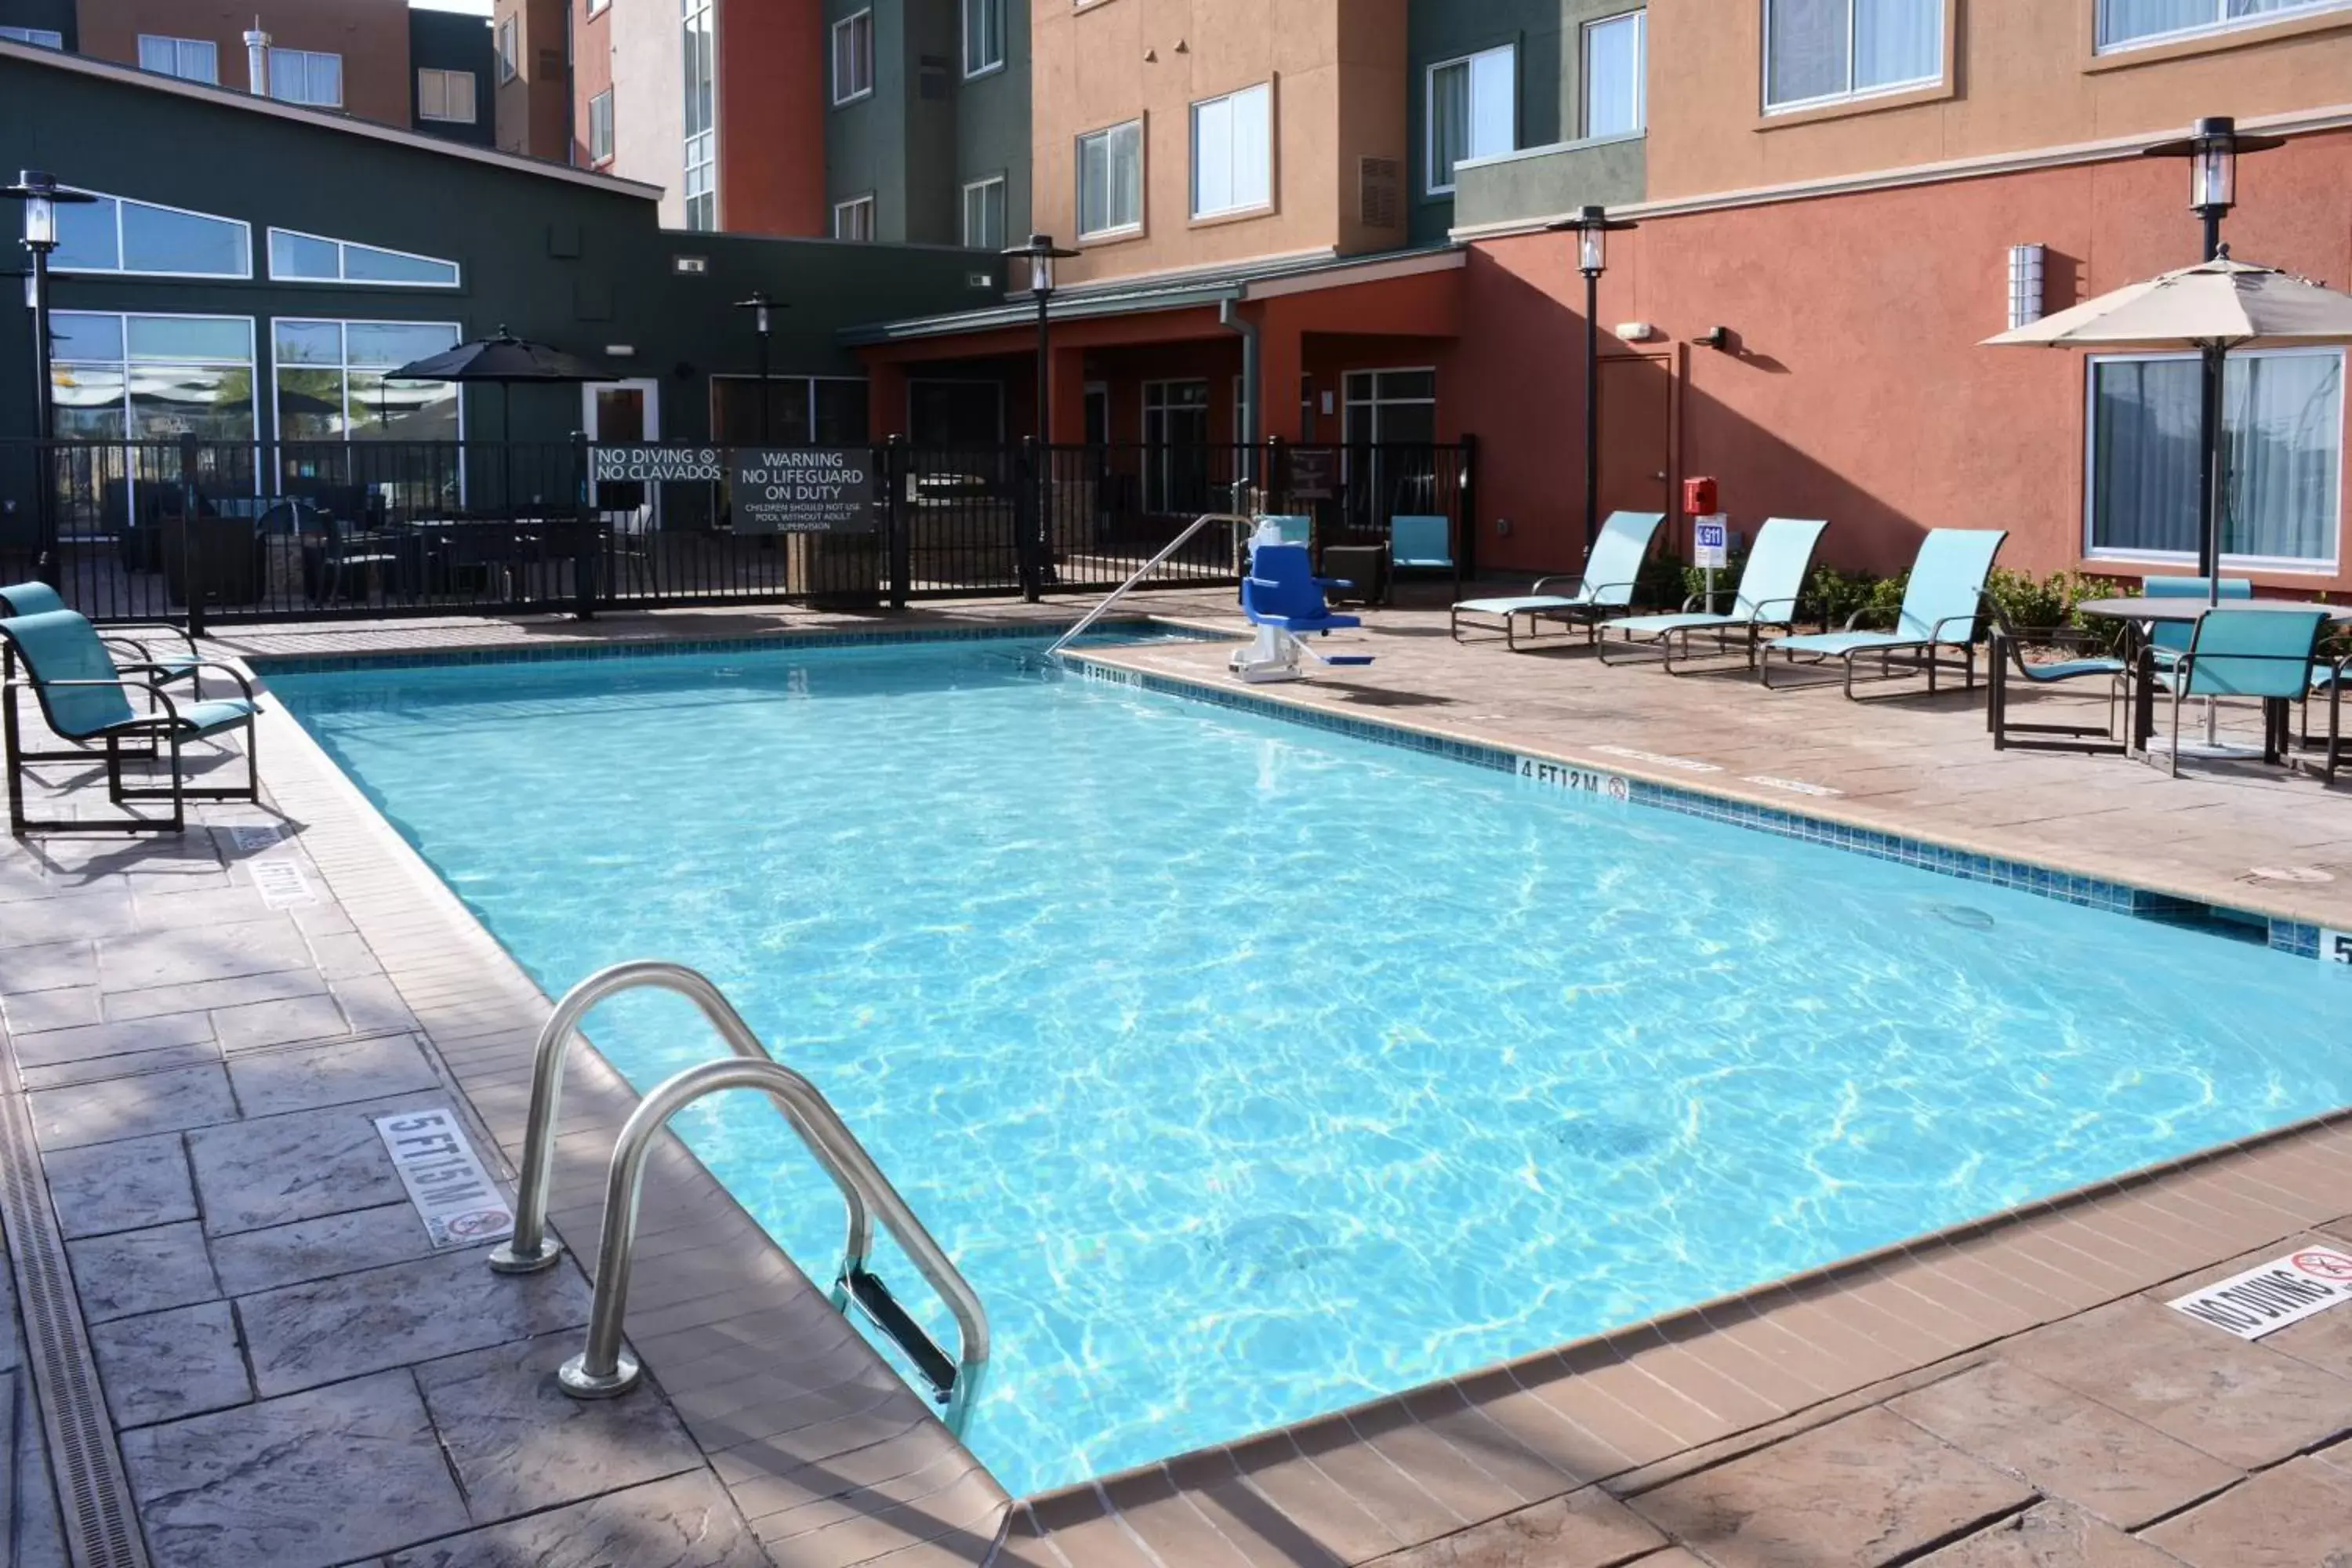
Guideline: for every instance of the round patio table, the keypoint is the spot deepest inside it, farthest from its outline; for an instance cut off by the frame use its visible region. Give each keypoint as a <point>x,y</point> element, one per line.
<point>2183,611</point>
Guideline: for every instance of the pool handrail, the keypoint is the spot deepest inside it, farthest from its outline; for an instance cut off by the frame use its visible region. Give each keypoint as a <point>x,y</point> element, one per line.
<point>603,1369</point>
<point>1087,620</point>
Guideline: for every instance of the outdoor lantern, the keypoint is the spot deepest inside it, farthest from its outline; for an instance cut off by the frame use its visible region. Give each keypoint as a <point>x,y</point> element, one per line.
<point>1592,226</point>
<point>2211,150</point>
<point>1593,247</point>
<point>42,195</point>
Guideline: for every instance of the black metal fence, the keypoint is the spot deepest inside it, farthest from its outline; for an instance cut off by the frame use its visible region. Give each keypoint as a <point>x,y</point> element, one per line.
<point>254,531</point>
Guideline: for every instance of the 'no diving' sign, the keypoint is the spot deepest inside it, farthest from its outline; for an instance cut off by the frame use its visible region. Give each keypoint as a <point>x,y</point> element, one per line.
<point>2262,1301</point>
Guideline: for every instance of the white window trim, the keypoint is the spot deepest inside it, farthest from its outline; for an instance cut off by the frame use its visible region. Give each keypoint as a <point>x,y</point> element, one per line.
<point>364,283</point>
<point>1273,151</point>
<point>175,40</point>
<point>2214,28</point>
<point>612,137</point>
<point>1142,179</point>
<point>472,115</point>
<point>38,38</point>
<point>343,366</point>
<point>308,56</point>
<point>845,25</point>
<point>121,271</point>
<point>1429,112</point>
<point>1641,15</point>
<point>598,8</point>
<point>1850,95</point>
<point>124,357</point>
<point>981,184</point>
<point>1003,44</point>
<point>508,36</point>
<point>2282,564</point>
<point>850,204</point>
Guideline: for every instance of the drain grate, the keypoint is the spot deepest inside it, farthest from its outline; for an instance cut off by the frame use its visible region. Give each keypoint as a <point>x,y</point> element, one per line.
<point>101,1526</point>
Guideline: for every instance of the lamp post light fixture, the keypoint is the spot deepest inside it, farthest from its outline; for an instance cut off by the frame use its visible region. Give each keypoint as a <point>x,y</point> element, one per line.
<point>761,306</point>
<point>2211,152</point>
<point>41,196</point>
<point>1041,253</point>
<point>1592,226</point>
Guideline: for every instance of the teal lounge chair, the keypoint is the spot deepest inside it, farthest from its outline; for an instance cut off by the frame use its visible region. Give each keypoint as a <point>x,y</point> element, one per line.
<point>40,598</point>
<point>2266,654</point>
<point>85,696</point>
<point>2005,663</point>
<point>1769,586</point>
<point>1421,544</point>
<point>1606,584</point>
<point>1940,608</point>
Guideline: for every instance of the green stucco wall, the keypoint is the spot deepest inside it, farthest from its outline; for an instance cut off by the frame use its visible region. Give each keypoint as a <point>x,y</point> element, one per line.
<point>927,129</point>
<point>1548,181</point>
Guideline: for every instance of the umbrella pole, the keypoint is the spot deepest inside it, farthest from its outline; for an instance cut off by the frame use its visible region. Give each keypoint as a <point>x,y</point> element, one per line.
<point>2215,475</point>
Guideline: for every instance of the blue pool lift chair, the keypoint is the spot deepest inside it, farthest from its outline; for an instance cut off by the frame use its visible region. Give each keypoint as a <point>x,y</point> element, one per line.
<point>1770,584</point>
<point>35,598</point>
<point>85,696</point>
<point>2264,654</point>
<point>1283,600</point>
<point>1942,603</point>
<point>1606,585</point>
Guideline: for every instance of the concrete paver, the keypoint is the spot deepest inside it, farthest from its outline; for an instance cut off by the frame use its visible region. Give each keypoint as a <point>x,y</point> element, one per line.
<point>124,1186</point>
<point>685,1522</point>
<point>134,1271</point>
<point>2051,1535</point>
<point>168,1364</point>
<point>2297,1516</point>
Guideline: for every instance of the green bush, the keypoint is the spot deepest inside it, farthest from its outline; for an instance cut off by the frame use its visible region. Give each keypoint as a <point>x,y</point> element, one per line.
<point>1837,595</point>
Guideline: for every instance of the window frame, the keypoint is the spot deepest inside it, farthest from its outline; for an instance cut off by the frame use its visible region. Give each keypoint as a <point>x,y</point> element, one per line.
<point>2221,27</point>
<point>34,37</point>
<point>1430,187</point>
<point>1192,132</point>
<point>987,68</point>
<point>1370,377</point>
<point>747,379</point>
<point>1142,189</point>
<point>307,56</point>
<point>472,116</point>
<point>1640,16</point>
<point>506,46</point>
<point>849,25</point>
<point>121,271</point>
<point>1849,94</point>
<point>852,203</point>
<point>250,364</point>
<point>1003,211</point>
<point>179,44</point>
<point>341,266</point>
<point>343,367</point>
<point>2280,564</point>
<point>596,159</point>
<point>598,8</point>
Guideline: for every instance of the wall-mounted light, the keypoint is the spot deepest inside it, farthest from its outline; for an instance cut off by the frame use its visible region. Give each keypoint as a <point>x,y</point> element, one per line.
<point>620,351</point>
<point>689,266</point>
<point>2026,269</point>
<point>1635,331</point>
<point>1714,338</point>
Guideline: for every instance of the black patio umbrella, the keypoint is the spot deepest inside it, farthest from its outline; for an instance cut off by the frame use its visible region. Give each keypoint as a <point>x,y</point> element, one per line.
<point>504,359</point>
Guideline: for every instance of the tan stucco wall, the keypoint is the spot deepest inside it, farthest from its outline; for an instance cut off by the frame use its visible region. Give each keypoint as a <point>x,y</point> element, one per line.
<point>1338,66</point>
<point>371,35</point>
<point>2024,77</point>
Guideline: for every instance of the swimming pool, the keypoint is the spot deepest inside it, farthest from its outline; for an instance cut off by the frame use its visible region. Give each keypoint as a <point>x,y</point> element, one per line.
<point>1249,1070</point>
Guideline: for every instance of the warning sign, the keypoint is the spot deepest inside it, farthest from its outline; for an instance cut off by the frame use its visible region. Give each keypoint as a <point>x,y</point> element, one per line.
<point>804,490</point>
<point>2263,1300</point>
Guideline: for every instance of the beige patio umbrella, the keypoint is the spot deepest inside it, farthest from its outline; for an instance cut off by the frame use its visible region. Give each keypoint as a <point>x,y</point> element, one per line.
<point>2213,307</point>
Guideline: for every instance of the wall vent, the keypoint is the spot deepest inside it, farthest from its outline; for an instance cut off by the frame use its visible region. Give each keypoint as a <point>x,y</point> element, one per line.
<point>1379,188</point>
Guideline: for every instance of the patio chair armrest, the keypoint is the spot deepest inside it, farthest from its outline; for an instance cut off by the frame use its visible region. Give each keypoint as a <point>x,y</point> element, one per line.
<point>1691,602</point>
<point>1756,610</point>
<point>1601,588</point>
<point>245,687</point>
<point>1853,621</point>
<point>178,631</point>
<point>1543,583</point>
<point>153,694</point>
<point>1936,632</point>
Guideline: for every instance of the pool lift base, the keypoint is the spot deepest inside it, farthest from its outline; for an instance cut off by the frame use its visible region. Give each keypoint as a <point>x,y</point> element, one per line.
<point>1278,655</point>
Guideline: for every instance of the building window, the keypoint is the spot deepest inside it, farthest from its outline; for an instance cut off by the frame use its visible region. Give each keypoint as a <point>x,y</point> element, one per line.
<point>2284,421</point>
<point>331,385</point>
<point>1473,112</point>
<point>305,76</point>
<point>114,234</point>
<point>1233,151</point>
<point>824,410</point>
<point>854,219</point>
<point>600,127</point>
<point>1176,447</point>
<point>983,213</point>
<point>509,53</point>
<point>191,59</point>
<point>149,378</point>
<point>1615,67</point>
<point>984,36</point>
<point>299,258</point>
<point>39,37</point>
<point>1110,180</point>
<point>598,8</point>
<point>852,58</point>
<point>446,96</point>
<point>2126,23</point>
<point>1817,51</point>
<point>701,118</point>
<point>1386,408</point>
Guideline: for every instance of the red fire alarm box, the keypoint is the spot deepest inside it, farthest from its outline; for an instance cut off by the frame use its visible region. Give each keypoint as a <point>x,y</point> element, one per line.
<point>1699,498</point>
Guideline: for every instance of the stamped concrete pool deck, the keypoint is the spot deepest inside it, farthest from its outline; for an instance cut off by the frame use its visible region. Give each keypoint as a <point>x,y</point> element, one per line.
<point>286,1372</point>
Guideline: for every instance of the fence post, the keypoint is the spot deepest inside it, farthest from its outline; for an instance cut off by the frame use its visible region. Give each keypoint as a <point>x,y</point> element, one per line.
<point>1465,551</point>
<point>192,567</point>
<point>1026,523</point>
<point>891,460</point>
<point>588,535</point>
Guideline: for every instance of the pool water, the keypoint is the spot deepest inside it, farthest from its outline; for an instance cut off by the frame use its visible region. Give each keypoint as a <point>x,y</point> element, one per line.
<point>1249,1070</point>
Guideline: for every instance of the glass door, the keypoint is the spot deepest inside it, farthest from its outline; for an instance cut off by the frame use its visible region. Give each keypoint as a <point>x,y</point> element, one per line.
<point>621,411</point>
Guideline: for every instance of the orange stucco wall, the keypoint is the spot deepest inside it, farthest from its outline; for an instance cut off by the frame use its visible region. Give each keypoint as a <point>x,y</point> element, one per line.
<point>1339,73</point>
<point>1858,392</point>
<point>2024,76</point>
<point>772,97</point>
<point>534,106</point>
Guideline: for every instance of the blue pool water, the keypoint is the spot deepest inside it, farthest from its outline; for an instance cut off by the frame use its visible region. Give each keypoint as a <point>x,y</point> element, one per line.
<point>1249,1070</point>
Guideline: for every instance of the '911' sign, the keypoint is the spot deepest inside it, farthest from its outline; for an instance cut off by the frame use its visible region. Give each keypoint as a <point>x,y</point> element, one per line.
<point>804,490</point>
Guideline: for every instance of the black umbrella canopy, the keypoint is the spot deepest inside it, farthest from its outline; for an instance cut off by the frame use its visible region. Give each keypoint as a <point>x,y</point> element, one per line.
<point>501,357</point>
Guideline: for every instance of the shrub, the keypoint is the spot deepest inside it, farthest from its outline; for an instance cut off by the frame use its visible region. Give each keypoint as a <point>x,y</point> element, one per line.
<point>1838,594</point>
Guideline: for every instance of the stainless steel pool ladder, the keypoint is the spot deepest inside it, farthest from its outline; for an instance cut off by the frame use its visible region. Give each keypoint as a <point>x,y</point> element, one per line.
<point>604,1369</point>
<point>1087,620</point>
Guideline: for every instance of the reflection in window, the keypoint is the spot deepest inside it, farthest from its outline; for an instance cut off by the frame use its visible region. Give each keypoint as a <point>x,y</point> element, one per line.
<point>151,378</point>
<point>331,386</point>
<point>313,258</point>
<point>1233,151</point>
<point>2123,23</point>
<point>1110,180</point>
<point>1613,69</point>
<point>701,119</point>
<point>41,38</point>
<point>1473,112</point>
<point>191,59</point>
<point>1817,51</point>
<point>115,234</point>
<point>306,76</point>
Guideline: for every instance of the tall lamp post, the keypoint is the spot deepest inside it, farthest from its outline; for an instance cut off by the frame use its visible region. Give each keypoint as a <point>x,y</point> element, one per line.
<point>761,306</point>
<point>2211,152</point>
<point>1041,253</point>
<point>1592,226</point>
<point>42,195</point>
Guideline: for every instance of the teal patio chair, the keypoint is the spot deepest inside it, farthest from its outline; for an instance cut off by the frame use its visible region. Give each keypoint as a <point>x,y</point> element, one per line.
<point>85,696</point>
<point>1941,605</point>
<point>1421,544</point>
<point>34,598</point>
<point>1770,584</point>
<point>2170,639</point>
<point>2090,662</point>
<point>1294,530</point>
<point>2264,654</point>
<point>1606,584</point>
